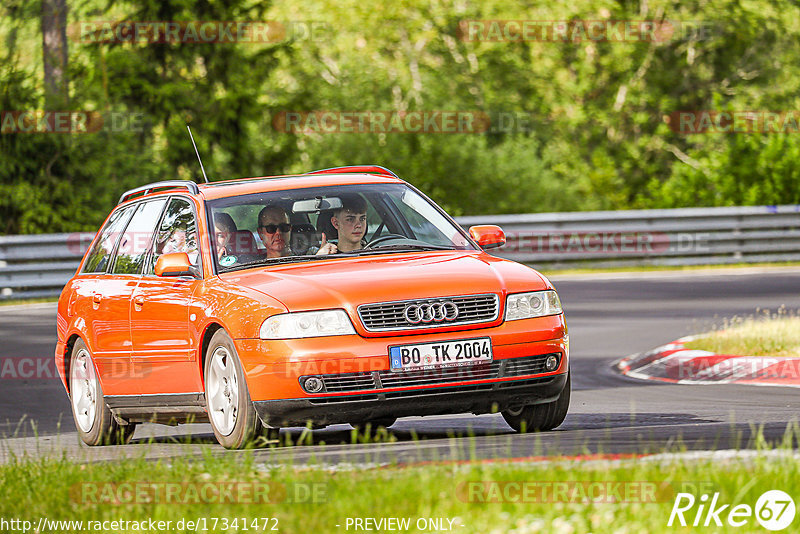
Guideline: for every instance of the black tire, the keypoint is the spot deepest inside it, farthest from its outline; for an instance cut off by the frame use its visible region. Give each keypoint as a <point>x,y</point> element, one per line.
<point>234,419</point>
<point>540,417</point>
<point>374,424</point>
<point>94,421</point>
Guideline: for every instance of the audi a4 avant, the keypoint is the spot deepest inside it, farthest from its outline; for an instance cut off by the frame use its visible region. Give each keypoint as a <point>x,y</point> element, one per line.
<point>338,296</point>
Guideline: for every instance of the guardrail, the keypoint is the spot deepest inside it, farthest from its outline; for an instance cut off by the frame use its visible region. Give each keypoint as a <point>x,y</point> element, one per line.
<point>39,265</point>
<point>686,236</point>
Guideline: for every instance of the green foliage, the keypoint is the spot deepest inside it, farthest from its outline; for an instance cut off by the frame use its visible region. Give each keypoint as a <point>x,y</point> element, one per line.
<point>564,495</point>
<point>591,123</point>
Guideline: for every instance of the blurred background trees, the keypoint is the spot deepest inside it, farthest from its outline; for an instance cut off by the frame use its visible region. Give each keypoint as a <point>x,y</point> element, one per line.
<point>587,121</point>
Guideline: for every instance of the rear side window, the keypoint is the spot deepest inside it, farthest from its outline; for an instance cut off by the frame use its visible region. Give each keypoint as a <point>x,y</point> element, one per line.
<point>178,233</point>
<point>97,260</point>
<point>136,243</point>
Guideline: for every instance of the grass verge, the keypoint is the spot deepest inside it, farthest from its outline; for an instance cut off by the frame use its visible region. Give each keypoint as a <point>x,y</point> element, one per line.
<point>15,302</point>
<point>500,497</point>
<point>770,334</point>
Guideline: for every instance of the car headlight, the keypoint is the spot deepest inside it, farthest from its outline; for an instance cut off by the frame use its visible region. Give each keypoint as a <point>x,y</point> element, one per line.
<point>536,304</point>
<point>307,324</point>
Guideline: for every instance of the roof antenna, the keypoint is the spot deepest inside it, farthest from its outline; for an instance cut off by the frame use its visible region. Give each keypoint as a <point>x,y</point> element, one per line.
<point>198,153</point>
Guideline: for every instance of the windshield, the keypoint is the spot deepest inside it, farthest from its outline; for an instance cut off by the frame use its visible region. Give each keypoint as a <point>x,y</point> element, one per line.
<point>314,223</point>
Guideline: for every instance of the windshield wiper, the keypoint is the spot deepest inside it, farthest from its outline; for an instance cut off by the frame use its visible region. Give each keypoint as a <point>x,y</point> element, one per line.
<point>407,247</point>
<point>273,261</point>
<point>362,252</point>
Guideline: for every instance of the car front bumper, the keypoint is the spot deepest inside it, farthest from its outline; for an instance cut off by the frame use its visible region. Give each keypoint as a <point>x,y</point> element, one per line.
<point>273,368</point>
<point>478,398</point>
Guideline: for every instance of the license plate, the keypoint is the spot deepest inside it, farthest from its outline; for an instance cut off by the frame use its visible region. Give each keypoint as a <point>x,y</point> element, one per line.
<point>441,354</point>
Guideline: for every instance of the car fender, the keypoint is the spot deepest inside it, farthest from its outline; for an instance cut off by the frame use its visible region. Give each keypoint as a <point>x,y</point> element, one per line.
<point>237,309</point>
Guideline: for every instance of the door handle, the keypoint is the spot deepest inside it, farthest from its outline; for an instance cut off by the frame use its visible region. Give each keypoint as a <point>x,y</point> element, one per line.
<point>96,298</point>
<point>138,302</point>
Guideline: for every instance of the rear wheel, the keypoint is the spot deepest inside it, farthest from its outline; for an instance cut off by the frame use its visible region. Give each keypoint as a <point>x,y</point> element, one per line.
<point>540,417</point>
<point>93,419</point>
<point>231,412</point>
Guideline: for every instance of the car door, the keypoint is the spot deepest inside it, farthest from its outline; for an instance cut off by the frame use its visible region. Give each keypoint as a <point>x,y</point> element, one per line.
<point>162,348</point>
<point>93,300</point>
<point>112,326</point>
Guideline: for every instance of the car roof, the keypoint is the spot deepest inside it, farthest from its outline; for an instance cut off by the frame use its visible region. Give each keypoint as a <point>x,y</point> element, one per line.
<point>230,188</point>
<point>244,186</point>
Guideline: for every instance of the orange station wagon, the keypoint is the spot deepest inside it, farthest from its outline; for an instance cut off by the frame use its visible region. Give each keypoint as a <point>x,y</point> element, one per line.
<point>337,296</point>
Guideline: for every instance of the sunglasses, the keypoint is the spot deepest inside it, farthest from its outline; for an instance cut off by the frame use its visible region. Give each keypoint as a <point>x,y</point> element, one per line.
<point>270,228</point>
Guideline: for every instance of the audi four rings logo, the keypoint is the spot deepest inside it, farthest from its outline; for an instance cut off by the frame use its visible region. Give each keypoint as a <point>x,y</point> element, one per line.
<point>429,312</point>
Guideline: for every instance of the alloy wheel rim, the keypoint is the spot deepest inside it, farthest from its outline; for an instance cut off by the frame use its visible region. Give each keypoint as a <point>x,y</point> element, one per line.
<point>83,386</point>
<point>223,391</point>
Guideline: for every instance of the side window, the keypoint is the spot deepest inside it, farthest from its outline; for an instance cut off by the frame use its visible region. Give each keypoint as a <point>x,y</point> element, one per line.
<point>137,240</point>
<point>421,225</point>
<point>97,260</point>
<point>178,233</point>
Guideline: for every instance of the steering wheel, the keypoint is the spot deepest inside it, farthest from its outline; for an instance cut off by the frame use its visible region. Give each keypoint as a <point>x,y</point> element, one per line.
<point>383,238</point>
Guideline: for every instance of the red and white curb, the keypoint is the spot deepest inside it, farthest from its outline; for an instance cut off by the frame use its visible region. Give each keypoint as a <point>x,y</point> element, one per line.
<point>676,364</point>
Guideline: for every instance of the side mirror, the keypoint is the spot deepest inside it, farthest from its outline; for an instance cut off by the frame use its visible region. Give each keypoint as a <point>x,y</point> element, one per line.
<point>488,235</point>
<point>175,264</point>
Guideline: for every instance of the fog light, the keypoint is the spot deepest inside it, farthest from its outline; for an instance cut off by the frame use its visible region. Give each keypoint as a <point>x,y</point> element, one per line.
<point>312,384</point>
<point>550,363</point>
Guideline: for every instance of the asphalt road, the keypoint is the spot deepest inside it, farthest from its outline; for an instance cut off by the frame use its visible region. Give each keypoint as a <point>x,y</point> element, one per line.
<point>609,317</point>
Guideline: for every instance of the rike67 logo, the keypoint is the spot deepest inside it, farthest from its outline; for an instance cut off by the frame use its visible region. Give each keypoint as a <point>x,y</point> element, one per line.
<point>774,510</point>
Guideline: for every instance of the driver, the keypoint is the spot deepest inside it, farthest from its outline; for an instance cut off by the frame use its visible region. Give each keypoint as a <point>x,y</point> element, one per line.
<point>350,222</point>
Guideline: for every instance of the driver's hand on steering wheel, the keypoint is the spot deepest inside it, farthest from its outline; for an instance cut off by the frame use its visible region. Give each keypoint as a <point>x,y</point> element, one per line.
<point>327,248</point>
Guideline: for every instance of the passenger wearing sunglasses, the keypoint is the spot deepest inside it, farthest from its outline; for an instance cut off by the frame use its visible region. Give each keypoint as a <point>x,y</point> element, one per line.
<point>275,231</point>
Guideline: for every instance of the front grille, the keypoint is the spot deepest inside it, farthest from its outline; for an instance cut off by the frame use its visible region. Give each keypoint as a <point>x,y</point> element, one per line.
<point>435,391</point>
<point>439,375</point>
<point>386,316</point>
<point>349,382</point>
<point>525,366</point>
<point>377,380</point>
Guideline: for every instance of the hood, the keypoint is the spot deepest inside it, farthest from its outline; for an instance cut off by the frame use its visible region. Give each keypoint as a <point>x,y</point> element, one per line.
<point>349,282</point>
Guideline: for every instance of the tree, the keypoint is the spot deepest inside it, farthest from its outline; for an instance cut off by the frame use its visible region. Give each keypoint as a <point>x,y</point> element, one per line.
<point>54,52</point>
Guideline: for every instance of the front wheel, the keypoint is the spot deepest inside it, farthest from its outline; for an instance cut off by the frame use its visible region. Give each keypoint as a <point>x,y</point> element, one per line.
<point>374,424</point>
<point>93,419</point>
<point>231,412</point>
<point>538,417</point>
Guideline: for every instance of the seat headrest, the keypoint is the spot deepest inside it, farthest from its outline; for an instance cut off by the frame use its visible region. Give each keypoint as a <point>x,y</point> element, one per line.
<point>243,242</point>
<point>304,236</point>
<point>324,225</point>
